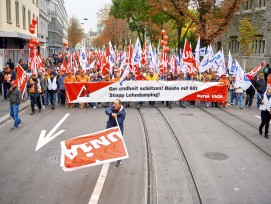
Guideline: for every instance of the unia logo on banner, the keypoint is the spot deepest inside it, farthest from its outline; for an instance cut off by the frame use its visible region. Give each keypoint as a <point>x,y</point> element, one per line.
<point>93,149</point>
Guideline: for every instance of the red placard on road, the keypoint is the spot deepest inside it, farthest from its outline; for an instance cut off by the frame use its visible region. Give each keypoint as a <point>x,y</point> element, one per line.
<point>93,149</point>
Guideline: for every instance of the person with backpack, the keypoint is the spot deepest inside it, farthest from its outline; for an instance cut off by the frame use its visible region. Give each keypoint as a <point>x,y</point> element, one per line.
<point>266,71</point>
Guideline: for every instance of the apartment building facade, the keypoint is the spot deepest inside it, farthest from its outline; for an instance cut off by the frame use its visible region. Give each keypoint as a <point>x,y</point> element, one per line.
<point>15,19</point>
<point>43,22</point>
<point>259,13</point>
<point>58,27</point>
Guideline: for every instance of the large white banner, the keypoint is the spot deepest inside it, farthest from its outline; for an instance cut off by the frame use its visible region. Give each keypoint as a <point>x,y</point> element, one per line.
<point>145,91</point>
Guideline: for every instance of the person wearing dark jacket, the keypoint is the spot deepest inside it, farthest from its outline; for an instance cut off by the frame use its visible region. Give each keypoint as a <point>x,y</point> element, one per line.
<point>266,71</point>
<point>260,86</point>
<point>14,96</point>
<point>35,91</point>
<point>250,92</point>
<point>116,112</point>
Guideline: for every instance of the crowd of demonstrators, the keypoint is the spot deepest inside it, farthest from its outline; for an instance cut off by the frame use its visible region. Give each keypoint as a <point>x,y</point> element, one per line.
<point>47,87</point>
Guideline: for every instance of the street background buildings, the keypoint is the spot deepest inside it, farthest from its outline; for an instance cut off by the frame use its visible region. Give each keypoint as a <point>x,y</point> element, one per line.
<point>259,12</point>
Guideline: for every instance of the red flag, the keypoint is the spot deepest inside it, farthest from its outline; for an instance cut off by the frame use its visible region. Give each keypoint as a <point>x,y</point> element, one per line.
<point>21,78</point>
<point>64,66</point>
<point>188,58</point>
<point>144,55</point>
<point>254,71</point>
<point>93,149</point>
<point>268,81</point>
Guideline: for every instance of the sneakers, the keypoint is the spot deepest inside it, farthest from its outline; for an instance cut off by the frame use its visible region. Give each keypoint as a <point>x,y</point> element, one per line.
<point>94,107</point>
<point>14,128</point>
<point>43,107</point>
<point>266,136</point>
<point>20,121</point>
<point>33,113</point>
<point>118,163</point>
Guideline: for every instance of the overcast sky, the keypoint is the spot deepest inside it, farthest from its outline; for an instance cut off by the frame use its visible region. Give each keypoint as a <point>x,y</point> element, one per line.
<point>85,9</point>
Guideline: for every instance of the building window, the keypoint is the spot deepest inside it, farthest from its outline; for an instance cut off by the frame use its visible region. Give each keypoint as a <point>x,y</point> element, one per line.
<point>248,5</point>
<point>259,46</point>
<point>8,11</point>
<point>24,18</point>
<point>262,3</point>
<point>17,13</point>
<point>234,45</point>
<point>29,19</point>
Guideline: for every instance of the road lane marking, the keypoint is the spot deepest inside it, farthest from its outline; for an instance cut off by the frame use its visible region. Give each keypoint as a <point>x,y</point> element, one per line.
<point>260,118</point>
<point>99,185</point>
<point>44,139</point>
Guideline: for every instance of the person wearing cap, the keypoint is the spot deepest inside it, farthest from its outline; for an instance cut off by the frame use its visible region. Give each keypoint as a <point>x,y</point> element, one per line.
<point>250,92</point>
<point>68,79</point>
<point>82,78</point>
<point>265,109</point>
<point>226,82</point>
<point>260,86</point>
<point>52,89</point>
<point>62,89</point>
<point>152,77</point>
<point>8,77</point>
<point>14,96</point>
<point>35,91</point>
<point>43,82</point>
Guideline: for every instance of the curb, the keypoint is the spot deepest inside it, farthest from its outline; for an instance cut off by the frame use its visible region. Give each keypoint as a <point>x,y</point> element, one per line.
<point>6,117</point>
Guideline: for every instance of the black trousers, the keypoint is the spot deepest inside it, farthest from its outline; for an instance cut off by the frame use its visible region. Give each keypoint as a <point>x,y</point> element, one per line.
<point>265,116</point>
<point>35,100</point>
<point>62,94</point>
<point>249,99</point>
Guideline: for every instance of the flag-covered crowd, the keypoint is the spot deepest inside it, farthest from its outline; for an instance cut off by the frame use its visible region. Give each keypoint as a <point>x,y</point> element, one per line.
<point>46,77</point>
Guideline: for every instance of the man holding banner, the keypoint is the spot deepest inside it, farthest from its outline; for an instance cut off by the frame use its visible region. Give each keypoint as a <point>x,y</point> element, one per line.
<point>116,115</point>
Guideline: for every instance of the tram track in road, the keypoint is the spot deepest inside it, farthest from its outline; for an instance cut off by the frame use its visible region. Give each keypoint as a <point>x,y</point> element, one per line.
<point>251,140</point>
<point>151,185</point>
<point>190,176</point>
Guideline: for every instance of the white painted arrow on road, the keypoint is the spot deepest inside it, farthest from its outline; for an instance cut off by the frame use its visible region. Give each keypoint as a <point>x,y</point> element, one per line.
<point>44,139</point>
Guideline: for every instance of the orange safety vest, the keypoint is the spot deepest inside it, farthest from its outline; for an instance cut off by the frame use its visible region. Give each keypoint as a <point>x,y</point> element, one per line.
<point>70,79</point>
<point>82,79</point>
<point>32,88</point>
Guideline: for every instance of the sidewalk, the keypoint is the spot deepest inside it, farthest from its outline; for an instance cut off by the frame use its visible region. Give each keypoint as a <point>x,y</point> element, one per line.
<point>4,109</point>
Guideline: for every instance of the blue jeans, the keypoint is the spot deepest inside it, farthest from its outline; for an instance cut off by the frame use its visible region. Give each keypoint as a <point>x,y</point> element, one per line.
<point>1,85</point>
<point>259,99</point>
<point>232,95</point>
<point>53,98</point>
<point>14,113</point>
<point>46,97</point>
<point>6,88</point>
<point>239,98</point>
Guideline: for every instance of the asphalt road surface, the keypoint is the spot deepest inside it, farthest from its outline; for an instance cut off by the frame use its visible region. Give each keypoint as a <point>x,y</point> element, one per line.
<point>191,155</point>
